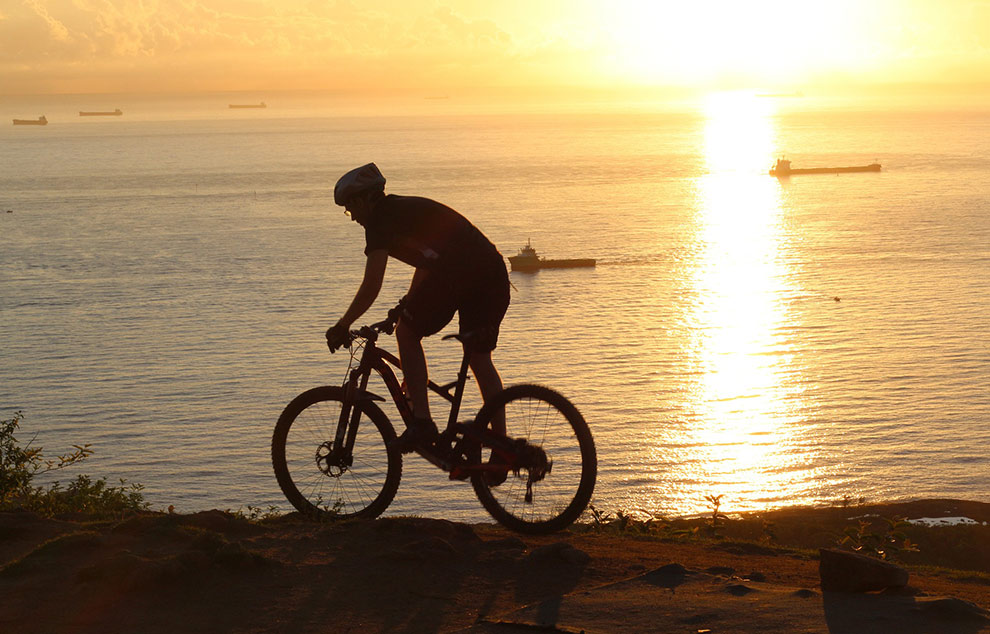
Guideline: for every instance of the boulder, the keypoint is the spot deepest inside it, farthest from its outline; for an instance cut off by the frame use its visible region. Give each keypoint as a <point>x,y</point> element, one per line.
<point>843,571</point>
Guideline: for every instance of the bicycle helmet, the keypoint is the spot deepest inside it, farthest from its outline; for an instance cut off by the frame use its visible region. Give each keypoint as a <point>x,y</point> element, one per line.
<point>358,180</point>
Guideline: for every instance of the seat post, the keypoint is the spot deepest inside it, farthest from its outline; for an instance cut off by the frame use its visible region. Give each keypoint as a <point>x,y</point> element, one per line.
<point>455,404</point>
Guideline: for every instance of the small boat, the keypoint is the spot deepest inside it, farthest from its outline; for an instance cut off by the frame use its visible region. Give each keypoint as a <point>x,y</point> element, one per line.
<point>783,168</point>
<point>115,113</point>
<point>528,260</point>
<point>39,121</point>
<point>248,105</point>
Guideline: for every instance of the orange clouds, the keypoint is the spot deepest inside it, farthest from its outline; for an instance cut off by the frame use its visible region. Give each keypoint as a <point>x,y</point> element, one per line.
<point>438,46</point>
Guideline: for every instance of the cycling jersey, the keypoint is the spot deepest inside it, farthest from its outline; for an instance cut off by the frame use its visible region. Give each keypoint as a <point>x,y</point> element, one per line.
<point>426,234</point>
<point>467,273</point>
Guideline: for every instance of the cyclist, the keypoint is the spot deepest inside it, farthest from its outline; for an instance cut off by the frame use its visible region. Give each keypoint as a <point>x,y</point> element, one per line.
<point>457,270</point>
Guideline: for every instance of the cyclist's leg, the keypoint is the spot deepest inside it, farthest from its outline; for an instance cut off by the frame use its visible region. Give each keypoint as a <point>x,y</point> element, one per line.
<point>481,311</point>
<point>490,383</point>
<point>427,308</point>
<point>414,370</point>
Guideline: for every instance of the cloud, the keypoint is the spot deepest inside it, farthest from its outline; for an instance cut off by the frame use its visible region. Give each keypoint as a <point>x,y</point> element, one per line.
<point>410,45</point>
<point>325,43</point>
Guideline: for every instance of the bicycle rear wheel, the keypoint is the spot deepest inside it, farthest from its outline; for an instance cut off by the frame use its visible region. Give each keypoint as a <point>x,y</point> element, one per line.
<point>548,420</point>
<point>302,442</point>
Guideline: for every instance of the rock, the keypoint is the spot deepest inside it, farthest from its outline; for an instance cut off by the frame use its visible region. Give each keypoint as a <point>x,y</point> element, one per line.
<point>671,569</point>
<point>843,571</point>
<point>669,576</point>
<point>805,593</point>
<point>739,590</point>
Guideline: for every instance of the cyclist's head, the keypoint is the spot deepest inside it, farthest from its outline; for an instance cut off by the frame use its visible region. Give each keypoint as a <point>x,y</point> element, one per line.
<point>359,181</point>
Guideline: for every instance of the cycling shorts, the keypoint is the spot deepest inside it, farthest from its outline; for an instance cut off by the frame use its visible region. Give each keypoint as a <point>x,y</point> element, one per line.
<point>480,304</point>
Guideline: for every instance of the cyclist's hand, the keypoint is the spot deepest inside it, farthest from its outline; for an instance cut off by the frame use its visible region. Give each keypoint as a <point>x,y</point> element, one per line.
<point>338,336</point>
<point>400,309</point>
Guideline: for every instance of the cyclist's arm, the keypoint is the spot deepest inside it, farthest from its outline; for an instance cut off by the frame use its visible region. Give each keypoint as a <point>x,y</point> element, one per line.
<point>367,293</point>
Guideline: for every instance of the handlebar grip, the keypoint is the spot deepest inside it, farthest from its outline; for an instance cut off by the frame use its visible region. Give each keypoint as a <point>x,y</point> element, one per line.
<point>334,347</point>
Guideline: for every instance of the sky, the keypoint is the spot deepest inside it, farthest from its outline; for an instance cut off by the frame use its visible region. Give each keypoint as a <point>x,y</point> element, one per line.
<point>449,47</point>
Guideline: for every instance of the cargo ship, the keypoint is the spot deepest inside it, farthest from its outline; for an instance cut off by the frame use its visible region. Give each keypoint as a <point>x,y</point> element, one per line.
<point>248,105</point>
<point>115,113</point>
<point>39,121</point>
<point>783,168</point>
<point>528,260</point>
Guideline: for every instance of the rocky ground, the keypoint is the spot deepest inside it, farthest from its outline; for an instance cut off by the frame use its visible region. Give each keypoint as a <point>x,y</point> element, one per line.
<point>216,572</point>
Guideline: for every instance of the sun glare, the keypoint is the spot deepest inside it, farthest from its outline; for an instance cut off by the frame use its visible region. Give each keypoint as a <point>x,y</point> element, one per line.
<point>767,42</point>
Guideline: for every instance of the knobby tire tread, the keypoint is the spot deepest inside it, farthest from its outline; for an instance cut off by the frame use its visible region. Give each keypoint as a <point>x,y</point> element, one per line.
<point>370,412</point>
<point>589,461</point>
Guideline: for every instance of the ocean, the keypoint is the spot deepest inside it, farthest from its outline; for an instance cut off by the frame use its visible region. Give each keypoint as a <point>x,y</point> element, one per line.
<point>167,277</point>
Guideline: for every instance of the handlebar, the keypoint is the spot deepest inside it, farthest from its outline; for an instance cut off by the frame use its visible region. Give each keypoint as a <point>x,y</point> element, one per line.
<point>371,332</point>
<point>386,326</point>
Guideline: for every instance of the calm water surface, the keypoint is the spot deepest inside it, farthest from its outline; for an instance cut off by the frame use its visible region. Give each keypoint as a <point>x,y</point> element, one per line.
<point>167,277</point>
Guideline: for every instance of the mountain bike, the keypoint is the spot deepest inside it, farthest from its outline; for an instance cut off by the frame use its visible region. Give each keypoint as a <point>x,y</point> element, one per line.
<point>335,453</point>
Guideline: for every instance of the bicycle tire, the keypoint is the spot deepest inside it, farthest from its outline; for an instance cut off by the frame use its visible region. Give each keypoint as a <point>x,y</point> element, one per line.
<point>546,418</point>
<point>365,488</point>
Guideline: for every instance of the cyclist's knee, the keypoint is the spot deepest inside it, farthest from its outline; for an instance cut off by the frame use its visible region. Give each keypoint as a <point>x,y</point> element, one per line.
<point>481,360</point>
<point>405,332</point>
<point>485,373</point>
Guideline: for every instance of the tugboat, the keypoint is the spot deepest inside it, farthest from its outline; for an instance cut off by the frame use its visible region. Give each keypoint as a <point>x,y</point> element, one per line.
<point>39,121</point>
<point>783,168</point>
<point>527,260</point>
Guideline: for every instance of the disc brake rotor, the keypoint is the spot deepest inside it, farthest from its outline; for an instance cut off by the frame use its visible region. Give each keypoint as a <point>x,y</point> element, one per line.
<point>328,461</point>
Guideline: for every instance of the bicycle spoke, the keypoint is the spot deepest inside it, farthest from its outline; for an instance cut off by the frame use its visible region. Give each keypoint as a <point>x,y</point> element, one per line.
<point>311,470</point>
<point>559,491</point>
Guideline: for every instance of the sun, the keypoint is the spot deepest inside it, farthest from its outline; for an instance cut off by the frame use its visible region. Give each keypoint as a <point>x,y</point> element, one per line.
<point>764,42</point>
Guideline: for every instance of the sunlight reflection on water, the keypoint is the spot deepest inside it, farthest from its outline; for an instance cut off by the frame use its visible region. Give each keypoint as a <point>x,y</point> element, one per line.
<point>739,401</point>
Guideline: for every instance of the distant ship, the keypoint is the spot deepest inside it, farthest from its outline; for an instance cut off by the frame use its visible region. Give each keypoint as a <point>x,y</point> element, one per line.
<point>115,113</point>
<point>248,105</point>
<point>528,260</point>
<point>783,168</point>
<point>39,121</point>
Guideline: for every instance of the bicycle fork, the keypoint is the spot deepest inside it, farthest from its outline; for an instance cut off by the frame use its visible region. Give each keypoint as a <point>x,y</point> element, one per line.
<point>341,454</point>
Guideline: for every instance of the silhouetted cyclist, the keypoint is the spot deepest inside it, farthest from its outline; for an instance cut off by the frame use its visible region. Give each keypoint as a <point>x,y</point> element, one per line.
<point>457,269</point>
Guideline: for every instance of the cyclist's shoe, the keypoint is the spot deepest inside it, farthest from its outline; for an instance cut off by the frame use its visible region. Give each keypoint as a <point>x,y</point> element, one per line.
<point>496,477</point>
<point>419,433</point>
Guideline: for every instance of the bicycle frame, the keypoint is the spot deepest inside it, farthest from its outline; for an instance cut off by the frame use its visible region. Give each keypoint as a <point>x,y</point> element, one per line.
<point>382,361</point>
<point>346,471</point>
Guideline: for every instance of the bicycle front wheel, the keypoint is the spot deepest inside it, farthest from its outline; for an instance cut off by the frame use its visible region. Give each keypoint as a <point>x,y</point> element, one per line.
<point>548,420</point>
<point>316,483</point>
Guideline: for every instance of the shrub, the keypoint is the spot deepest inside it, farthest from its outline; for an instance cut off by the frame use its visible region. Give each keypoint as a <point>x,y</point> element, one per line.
<point>886,543</point>
<point>19,466</point>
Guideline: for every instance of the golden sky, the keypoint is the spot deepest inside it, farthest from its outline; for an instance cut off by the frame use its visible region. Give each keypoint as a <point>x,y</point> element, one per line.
<point>436,47</point>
